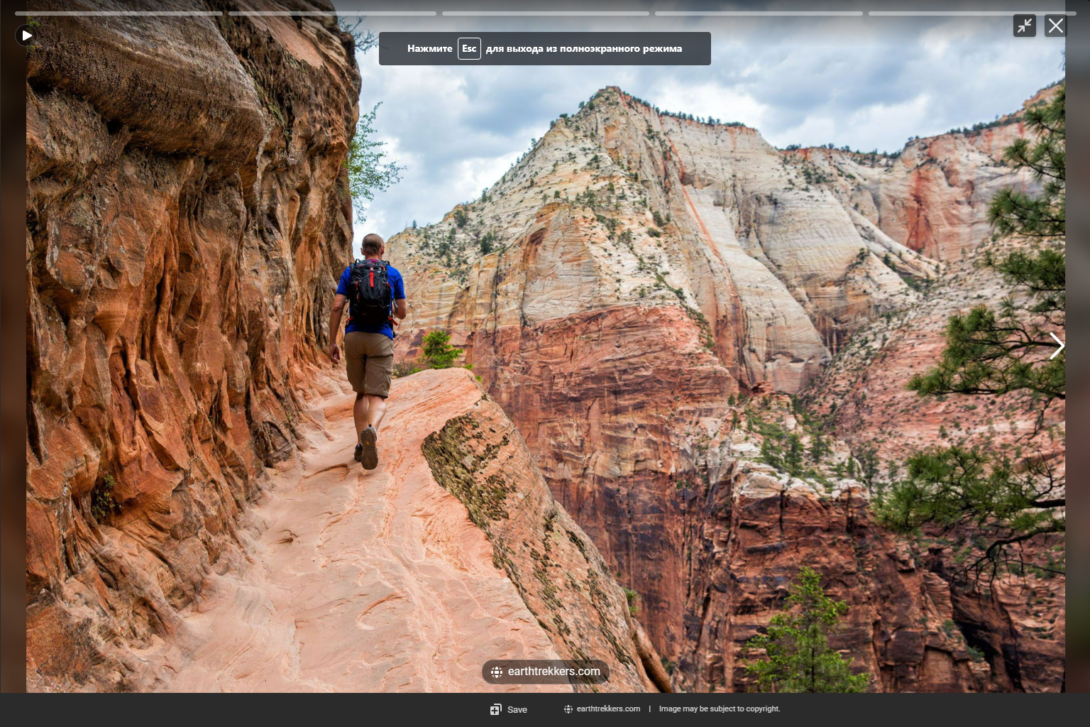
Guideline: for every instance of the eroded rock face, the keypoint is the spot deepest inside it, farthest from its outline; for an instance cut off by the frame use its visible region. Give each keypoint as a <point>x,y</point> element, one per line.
<point>187,209</point>
<point>628,281</point>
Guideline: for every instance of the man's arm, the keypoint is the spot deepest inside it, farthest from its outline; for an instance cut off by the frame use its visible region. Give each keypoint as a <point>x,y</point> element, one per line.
<point>335,327</point>
<point>401,308</point>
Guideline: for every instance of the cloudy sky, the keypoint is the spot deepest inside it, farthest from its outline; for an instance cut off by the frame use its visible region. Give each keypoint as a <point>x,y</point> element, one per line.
<point>863,82</point>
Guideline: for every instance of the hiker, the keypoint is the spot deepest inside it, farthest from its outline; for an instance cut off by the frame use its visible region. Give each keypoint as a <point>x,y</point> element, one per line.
<point>375,293</point>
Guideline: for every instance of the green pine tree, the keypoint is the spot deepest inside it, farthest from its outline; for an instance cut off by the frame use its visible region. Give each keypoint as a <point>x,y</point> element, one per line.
<point>771,454</point>
<point>793,455</point>
<point>1004,501</point>
<point>437,350</point>
<point>797,656</point>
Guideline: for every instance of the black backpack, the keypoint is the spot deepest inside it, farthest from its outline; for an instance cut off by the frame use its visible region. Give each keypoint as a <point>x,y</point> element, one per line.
<point>370,296</point>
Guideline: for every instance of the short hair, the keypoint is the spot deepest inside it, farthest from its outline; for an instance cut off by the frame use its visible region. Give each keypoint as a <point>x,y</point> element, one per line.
<point>372,244</point>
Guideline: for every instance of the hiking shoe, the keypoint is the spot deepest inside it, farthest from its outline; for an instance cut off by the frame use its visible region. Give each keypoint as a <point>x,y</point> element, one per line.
<point>369,454</point>
<point>359,452</point>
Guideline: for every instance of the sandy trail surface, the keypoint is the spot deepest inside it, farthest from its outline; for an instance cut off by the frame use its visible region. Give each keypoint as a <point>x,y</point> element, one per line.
<point>358,581</point>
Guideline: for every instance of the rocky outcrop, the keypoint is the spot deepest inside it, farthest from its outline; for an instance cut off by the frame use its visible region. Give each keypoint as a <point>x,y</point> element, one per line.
<point>187,208</point>
<point>480,458</point>
<point>636,276</point>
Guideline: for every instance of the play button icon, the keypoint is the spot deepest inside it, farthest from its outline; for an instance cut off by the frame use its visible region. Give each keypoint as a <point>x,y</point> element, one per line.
<point>26,35</point>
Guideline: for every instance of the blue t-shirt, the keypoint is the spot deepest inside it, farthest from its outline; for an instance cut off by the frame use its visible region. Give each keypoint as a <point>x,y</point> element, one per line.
<point>397,284</point>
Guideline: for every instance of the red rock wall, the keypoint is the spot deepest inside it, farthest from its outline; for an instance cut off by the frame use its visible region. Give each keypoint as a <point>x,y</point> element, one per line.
<point>187,210</point>
<point>612,438</point>
<point>914,623</point>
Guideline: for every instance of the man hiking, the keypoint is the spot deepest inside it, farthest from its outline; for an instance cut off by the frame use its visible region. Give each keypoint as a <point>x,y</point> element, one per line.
<point>375,293</point>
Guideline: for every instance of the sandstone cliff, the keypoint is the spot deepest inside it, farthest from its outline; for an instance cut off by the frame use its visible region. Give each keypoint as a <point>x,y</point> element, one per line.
<point>187,208</point>
<point>630,281</point>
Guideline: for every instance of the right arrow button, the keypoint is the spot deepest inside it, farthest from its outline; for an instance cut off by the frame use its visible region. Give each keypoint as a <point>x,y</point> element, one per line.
<point>1061,348</point>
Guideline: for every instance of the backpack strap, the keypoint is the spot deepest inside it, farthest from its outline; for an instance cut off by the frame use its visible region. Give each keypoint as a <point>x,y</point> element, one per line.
<point>351,304</point>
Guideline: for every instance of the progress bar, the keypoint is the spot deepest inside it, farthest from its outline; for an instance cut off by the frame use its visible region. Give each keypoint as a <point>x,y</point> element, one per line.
<point>545,13</point>
<point>116,13</point>
<point>962,13</point>
<point>760,13</point>
<point>213,13</point>
<point>334,14</point>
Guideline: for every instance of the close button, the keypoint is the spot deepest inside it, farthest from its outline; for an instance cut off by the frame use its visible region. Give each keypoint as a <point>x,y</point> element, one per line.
<point>1055,26</point>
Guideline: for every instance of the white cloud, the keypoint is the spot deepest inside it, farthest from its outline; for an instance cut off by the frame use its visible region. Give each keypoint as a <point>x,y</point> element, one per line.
<point>868,128</point>
<point>867,83</point>
<point>709,99</point>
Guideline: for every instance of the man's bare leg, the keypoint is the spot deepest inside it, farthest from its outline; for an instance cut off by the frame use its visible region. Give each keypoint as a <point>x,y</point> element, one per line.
<point>359,412</point>
<point>376,409</point>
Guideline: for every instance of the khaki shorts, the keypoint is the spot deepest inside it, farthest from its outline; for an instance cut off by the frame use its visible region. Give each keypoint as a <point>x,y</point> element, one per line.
<point>370,359</point>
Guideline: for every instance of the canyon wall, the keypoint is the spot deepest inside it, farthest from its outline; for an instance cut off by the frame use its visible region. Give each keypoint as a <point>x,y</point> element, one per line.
<point>187,210</point>
<point>630,283</point>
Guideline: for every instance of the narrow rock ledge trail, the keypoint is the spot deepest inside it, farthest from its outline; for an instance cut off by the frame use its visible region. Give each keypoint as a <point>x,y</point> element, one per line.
<point>358,581</point>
